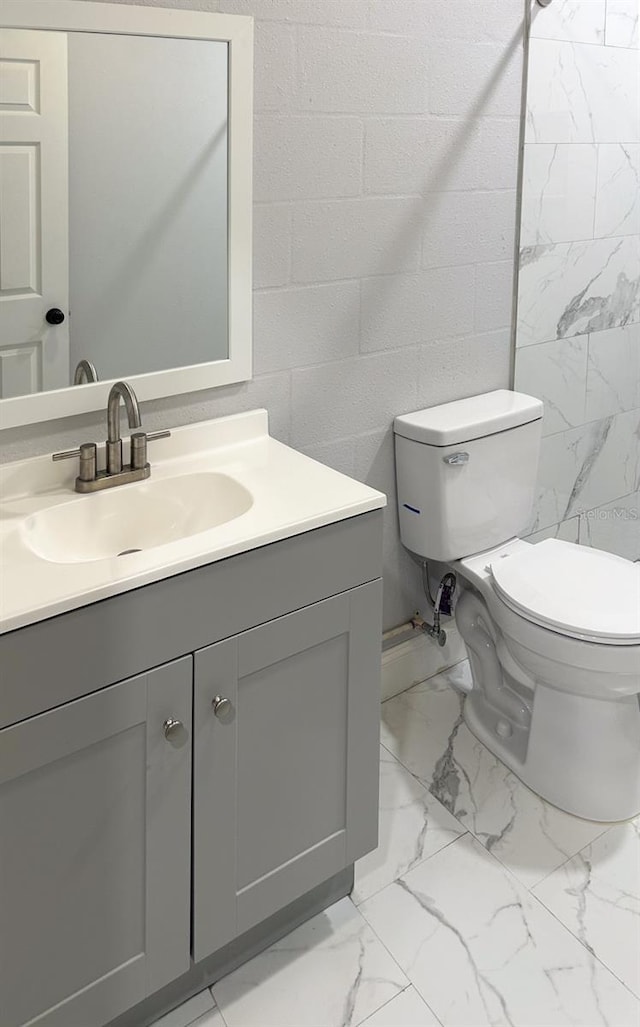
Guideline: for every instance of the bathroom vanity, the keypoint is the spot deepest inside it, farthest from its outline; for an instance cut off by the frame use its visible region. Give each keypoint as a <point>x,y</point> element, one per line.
<point>189,743</point>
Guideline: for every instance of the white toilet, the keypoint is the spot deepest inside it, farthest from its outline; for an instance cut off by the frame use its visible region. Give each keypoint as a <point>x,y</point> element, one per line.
<point>552,628</point>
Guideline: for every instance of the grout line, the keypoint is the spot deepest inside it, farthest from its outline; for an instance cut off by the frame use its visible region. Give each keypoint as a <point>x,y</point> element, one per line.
<point>585,945</point>
<point>463,834</point>
<point>543,906</point>
<point>363,1023</point>
<point>597,188</point>
<point>569,859</point>
<point>517,239</point>
<point>585,394</point>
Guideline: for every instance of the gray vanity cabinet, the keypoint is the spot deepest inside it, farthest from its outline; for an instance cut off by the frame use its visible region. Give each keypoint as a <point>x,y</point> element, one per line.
<point>135,867</point>
<point>285,780</point>
<point>95,810</point>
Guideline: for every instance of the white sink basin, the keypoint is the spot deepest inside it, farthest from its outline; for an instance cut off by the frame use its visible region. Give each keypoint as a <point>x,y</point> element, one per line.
<point>130,518</point>
<point>217,489</point>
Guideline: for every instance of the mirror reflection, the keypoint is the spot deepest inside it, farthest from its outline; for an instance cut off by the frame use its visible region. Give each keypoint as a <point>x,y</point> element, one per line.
<point>113,206</point>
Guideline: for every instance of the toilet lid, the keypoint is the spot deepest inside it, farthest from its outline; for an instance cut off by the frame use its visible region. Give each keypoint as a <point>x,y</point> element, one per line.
<point>576,591</point>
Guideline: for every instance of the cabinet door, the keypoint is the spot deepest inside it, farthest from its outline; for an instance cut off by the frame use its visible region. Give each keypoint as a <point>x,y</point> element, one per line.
<point>285,792</point>
<point>95,852</point>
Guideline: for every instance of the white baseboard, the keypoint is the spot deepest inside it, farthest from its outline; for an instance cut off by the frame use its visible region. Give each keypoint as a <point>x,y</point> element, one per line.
<point>417,659</point>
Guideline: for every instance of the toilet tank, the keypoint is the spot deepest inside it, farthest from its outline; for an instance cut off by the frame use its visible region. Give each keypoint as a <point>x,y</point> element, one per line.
<point>466,473</point>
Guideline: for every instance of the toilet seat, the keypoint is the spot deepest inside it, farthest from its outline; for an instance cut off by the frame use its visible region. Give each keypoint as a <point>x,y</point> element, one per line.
<point>573,590</point>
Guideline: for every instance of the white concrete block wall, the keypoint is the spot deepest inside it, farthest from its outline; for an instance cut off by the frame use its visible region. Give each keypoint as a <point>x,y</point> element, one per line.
<point>386,153</point>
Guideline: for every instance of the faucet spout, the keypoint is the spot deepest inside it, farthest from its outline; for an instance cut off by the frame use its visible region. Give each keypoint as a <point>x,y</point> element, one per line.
<point>121,390</point>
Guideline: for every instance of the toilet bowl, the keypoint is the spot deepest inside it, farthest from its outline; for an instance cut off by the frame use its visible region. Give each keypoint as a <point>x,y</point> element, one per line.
<point>552,629</point>
<point>575,736</point>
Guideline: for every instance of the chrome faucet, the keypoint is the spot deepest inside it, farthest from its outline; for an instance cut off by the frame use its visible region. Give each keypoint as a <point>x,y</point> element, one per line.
<point>121,390</point>
<point>90,479</point>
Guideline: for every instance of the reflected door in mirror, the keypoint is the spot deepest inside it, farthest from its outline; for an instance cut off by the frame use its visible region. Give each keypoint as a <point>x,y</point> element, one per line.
<point>34,354</point>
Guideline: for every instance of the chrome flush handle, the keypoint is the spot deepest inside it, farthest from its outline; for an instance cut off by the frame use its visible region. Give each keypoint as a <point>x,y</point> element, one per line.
<point>456,459</point>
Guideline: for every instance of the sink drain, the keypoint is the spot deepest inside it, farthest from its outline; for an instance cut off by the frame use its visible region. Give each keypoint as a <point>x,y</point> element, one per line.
<point>125,552</point>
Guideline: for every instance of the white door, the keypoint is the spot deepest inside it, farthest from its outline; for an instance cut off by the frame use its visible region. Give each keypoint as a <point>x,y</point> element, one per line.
<point>34,247</point>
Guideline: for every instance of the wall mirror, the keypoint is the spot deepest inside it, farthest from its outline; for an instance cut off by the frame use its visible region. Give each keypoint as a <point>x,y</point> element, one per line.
<point>125,203</point>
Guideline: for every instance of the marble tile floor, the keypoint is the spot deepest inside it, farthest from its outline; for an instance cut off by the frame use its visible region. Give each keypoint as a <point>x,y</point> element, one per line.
<point>482,904</point>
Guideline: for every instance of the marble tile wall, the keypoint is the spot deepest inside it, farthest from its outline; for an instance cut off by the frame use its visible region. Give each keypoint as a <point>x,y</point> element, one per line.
<point>578,324</point>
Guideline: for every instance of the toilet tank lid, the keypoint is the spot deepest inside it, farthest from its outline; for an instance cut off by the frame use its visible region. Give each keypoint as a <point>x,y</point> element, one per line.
<point>468,419</point>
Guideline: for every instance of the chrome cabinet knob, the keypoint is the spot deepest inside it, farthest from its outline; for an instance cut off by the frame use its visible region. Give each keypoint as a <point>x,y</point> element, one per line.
<point>223,708</point>
<point>172,728</point>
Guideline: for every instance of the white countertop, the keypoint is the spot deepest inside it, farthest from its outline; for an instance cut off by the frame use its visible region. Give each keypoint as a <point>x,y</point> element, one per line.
<point>291,494</point>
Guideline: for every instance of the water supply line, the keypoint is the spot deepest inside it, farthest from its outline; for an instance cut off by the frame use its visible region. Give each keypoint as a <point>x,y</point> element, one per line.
<point>442,604</point>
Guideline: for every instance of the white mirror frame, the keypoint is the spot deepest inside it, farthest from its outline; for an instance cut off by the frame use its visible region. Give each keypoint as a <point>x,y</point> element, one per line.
<point>237,31</point>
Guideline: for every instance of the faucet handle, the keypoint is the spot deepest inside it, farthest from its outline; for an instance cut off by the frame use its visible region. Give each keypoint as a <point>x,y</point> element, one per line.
<point>88,454</point>
<point>139,441</point>
<point>67,454</point>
